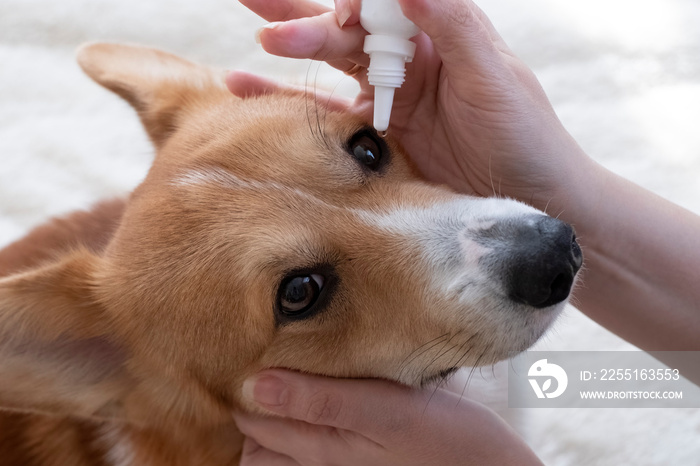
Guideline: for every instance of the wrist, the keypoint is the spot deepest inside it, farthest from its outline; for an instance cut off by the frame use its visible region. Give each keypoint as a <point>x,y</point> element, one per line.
<point>568,184</point>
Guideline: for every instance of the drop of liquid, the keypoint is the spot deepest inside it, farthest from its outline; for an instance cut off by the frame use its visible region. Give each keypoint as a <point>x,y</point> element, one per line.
<point>383,133</point>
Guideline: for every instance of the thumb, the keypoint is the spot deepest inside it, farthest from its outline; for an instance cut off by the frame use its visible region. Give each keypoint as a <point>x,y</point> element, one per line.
<point>341,403</point>
<point>461,33</point>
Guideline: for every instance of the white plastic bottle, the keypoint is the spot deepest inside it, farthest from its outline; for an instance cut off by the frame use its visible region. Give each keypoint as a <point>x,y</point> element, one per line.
<point>389,49</point>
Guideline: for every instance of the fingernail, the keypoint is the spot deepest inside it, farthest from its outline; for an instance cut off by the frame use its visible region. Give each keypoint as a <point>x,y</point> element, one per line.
<point>266,390</point>
<point>342,11</point>
<point>267,26</point>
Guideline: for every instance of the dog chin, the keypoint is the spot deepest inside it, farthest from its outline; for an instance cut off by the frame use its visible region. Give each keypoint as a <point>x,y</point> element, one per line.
<point>537,323</point>
<point>519,332</point>
<point>437,378</point>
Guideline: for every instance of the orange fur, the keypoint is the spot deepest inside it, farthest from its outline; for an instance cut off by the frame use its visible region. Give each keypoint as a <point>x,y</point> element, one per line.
<point>127,331</point>
<point>92,229</point>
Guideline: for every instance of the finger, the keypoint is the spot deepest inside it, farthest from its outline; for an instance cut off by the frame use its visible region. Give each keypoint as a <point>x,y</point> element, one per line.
<point>284,10</point>
<point>459,11</point>
<point>375,409</point>
<point>348,12</point>
<point>254,454</point>
<point>318,38</point>
<point>461,33</point>
<point>244,85</point>
<point>303,442</point>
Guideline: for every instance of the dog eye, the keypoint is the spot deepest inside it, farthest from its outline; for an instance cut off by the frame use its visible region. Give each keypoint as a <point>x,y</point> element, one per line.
<point>367,149</point>
<point>298,294</point>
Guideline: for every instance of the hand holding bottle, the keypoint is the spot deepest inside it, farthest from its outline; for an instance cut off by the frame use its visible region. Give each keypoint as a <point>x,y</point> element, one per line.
<point>470,113</point>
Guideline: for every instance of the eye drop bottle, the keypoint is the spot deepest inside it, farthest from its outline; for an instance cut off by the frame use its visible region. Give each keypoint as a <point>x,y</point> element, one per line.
<point>389,50</point>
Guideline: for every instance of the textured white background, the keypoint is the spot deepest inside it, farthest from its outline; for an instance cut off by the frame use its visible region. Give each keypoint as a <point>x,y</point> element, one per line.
<point>623,75</point>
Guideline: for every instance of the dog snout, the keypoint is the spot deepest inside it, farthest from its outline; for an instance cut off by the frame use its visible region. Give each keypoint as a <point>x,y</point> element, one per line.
<point>537,257</point>
<point>545,260</point>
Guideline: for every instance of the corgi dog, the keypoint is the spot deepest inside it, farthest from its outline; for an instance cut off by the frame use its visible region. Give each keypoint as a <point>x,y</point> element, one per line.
<point>265,234</point>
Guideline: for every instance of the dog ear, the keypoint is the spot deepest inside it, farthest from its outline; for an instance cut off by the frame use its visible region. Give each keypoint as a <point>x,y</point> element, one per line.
<point>56,352</point>
<point>157,84</point>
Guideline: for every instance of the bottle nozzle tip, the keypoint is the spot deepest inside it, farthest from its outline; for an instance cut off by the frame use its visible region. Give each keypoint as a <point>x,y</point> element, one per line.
<point>381,126</point>
<point>383,101</point>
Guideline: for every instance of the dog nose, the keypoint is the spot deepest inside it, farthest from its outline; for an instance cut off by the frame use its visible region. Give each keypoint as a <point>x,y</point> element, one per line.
<point>544,260</point>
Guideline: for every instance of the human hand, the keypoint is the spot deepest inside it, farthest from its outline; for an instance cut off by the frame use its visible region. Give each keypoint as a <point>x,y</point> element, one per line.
<point>370,422</point>
<point>470,114</point>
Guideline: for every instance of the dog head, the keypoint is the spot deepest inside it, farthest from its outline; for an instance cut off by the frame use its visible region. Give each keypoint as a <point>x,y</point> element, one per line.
<point>270,232</point>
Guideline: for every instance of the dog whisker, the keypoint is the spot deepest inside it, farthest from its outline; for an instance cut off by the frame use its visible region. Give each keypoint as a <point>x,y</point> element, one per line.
<point>493,188</point>
<point>442,353</point>
<point>316,109</point>
<point>461,354</point>
<point>547,206</point>
<point>435,388</point>
<point>471,374</point>
<point>306,99</point>
<point>421,350</point>
<point>327,109</point>
<point>458,351</point>
<point>317,128</point>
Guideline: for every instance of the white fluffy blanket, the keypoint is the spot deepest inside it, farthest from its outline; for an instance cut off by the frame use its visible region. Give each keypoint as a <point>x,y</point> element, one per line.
<point>624,76</point>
